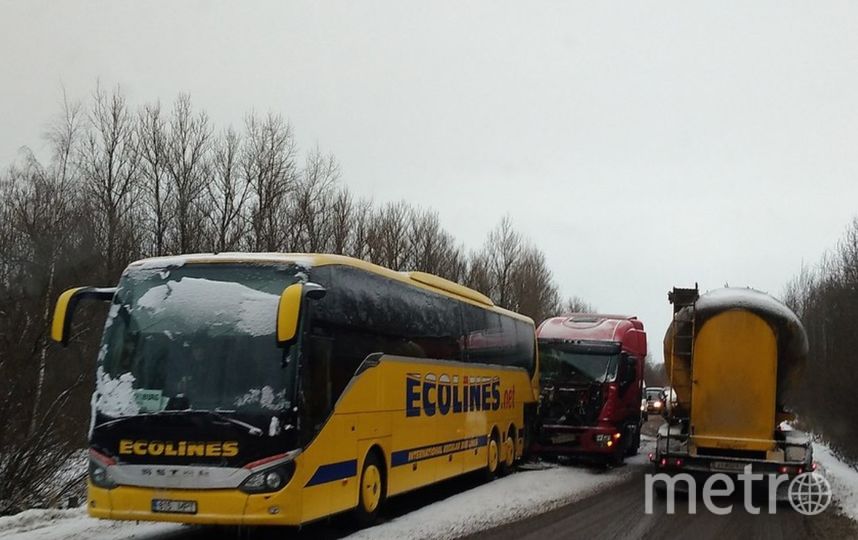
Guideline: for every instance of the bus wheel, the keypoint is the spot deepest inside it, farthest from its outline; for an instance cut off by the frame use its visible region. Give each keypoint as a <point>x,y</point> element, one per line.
<point>371,491</point>
<point>494,456</point>
<point>508,446</point>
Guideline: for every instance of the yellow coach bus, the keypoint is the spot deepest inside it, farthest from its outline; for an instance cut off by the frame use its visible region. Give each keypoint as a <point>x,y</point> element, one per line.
<point>265,389</point>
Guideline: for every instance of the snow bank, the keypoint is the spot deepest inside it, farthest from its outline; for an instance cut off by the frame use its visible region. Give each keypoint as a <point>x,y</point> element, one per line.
<point>75,524</point>
<point>843,479</point>
<point>505,500</point>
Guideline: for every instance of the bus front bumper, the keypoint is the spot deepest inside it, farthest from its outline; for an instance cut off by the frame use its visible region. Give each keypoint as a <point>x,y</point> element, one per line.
<point>213,507</point>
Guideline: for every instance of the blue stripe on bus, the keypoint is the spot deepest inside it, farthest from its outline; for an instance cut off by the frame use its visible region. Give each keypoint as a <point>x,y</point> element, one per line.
<point>333,471</point>
<point>404,457</point>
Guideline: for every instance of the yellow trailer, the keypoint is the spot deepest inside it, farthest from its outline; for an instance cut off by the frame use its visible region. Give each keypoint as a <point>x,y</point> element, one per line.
<point>732,356</point>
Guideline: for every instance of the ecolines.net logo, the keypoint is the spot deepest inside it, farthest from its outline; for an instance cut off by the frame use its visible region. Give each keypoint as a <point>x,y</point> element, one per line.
<point>444,394</point>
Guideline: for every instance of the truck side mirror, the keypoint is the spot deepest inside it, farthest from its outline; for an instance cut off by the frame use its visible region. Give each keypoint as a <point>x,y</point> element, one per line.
<point>289,309</point>
<point>66,304</point>
<point>628,369</point>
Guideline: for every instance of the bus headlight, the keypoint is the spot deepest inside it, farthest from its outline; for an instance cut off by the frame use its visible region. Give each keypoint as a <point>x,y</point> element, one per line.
<point>99,475</point>
<point>273,480</point>
<point>269,479</point>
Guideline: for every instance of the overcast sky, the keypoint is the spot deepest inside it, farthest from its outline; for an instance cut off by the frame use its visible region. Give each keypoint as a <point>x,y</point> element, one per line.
<point>640,145</point>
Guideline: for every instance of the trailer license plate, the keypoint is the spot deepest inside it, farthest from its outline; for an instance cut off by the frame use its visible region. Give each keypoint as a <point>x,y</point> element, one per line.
<point>167,506</point>
<point>731,466</point>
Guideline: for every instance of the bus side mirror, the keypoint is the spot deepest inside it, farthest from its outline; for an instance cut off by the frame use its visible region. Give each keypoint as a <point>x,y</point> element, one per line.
<point>289,309</point>
<point>66,304</point>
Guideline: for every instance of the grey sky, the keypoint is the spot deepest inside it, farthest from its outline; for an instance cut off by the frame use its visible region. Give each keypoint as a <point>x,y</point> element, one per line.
<point>640,145</point>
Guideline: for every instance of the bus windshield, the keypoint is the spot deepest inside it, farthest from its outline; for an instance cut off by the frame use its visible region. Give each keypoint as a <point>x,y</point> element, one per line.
<point>559,364</point>
<point>195,337</point>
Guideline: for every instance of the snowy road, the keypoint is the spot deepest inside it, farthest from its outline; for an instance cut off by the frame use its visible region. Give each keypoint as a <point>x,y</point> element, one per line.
<point>620,513</point>
<point>450,509</point>
<point>537,503</point>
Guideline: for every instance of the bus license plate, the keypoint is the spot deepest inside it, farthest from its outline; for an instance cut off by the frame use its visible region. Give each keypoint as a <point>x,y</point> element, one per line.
<point>167,506</point>
<point>730,466</point>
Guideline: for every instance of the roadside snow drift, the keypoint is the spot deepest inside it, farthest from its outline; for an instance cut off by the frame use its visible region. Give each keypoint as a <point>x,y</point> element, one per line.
<point>75,524</point>
<point>842,477</point>
<point>505,500</point>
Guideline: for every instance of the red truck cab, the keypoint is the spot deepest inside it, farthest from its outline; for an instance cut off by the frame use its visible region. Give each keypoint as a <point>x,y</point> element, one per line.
<point>591,375</point>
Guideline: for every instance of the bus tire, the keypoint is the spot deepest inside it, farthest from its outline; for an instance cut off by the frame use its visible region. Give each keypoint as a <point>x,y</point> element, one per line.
<point>505,465</point>
<point>372,490</point>
<point>493,449</point>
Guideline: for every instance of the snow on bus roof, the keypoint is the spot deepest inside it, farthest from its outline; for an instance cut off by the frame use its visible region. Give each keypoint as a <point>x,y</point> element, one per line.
<point>309,260</point>
<point>181,260</point>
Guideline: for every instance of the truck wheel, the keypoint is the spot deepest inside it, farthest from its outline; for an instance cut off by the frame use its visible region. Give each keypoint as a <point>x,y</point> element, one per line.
<point>634,443</point>
<point>371,490</point>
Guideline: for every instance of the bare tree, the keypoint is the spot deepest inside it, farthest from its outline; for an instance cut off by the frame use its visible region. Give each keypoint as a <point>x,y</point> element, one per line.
<point>188,168</point>
<point>153,140</point>
<point>109,171</point>
<point>228,194</point>
<point>503,248</point>
<point>576,304</point>
<point>309,228</point>
<point>268,161</point>
<point>388,242</point>
<point>342,219</point>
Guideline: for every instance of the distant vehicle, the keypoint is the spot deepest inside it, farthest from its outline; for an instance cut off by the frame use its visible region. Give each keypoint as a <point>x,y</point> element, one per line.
<point>668,400</point>
<point>731,355</point>
<point>277,389</point>
<point>592,386</point>
<point>654,400</point>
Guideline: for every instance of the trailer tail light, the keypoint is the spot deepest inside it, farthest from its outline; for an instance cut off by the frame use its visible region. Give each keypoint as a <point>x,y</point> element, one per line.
<point>663,462</point>
<point>679,463</point>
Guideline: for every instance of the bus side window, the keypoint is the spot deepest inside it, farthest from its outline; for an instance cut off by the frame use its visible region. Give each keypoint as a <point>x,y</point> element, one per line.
<point>484,335</point>
<point>316,391</point>
<point>498,339</point>
<point>526,350</point>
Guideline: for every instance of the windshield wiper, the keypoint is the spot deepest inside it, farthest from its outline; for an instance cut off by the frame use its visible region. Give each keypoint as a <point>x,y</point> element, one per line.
<point>253,430</point>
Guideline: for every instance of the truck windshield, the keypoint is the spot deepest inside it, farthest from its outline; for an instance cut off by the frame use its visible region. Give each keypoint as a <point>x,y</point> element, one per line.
<point>198,337</point>
<point>562,364</point>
